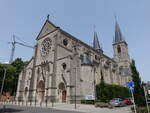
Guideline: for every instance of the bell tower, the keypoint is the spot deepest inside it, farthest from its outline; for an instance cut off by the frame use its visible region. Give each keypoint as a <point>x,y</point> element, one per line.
<point>120,46</point>
<point>121,55</point>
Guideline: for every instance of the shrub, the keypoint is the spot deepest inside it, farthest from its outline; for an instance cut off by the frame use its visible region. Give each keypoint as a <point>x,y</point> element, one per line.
<point>108,91</point>
<point>102,104</point>
<point>140,109</point>
<point>87,102</point>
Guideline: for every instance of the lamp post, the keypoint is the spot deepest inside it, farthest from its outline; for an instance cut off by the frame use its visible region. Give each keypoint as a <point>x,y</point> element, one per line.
<point>3,82</point>
<point>94,84</point>
<point>75,103</point>
<point>75,58</point>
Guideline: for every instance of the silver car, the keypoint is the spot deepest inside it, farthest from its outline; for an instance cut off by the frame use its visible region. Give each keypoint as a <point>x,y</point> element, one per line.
<point>117,102</point>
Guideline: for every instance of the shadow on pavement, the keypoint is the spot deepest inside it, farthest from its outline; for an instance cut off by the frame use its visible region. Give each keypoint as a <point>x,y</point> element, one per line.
<point>9,110</point>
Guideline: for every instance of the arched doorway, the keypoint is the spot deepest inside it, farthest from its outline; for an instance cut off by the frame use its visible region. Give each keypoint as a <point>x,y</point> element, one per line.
<point>25,92</point>
<point>40,90</point>
<point>62,92</point>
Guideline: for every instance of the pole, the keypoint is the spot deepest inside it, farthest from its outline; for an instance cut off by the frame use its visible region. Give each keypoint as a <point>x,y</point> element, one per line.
<point>75,88</point>
<point>3,82</point>
<point>95,85</point>
<point>133,102</point>
<point>146,98</point>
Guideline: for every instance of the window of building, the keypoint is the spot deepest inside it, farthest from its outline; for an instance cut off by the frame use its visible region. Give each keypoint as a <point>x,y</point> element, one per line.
<point>121,70</point>
<point>81,57</point>
<point>88,58</point>
<point>119,49</point>
<point>65,42</point>
<point>85,59</point>
<point>64,66</point>
<point>96,57</point>
<point>126,71</point>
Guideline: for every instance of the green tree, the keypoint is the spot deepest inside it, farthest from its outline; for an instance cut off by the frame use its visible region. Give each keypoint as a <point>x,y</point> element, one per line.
<point>12,73</point>
<point>19,65</point>
<point>138,92</point>
<point>101,90</point>
<point>108,91</point>
<point>9,78</point>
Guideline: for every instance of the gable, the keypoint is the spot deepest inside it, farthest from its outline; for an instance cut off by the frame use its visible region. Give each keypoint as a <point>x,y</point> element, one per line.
<point>47,28</point>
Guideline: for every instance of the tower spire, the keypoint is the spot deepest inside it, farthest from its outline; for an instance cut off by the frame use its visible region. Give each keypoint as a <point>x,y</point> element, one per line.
<point>96,44</point>
<point>118,34</point>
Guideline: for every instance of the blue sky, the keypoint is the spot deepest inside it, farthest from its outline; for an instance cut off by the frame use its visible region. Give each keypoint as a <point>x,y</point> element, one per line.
<point>25,18</point>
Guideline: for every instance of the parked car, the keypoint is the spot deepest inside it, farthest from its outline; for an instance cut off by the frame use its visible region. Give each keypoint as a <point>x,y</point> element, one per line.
<point>117,102</point>
<point>127,101</point>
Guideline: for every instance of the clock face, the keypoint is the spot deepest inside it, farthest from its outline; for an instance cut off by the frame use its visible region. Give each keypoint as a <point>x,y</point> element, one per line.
<point>46,46</point>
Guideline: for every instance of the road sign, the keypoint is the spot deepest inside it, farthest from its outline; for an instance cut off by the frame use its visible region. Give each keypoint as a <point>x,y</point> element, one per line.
<point>130,86</point>
<point>89,97</point>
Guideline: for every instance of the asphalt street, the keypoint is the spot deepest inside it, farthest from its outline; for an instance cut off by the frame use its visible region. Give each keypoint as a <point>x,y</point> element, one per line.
<point>20,109</point>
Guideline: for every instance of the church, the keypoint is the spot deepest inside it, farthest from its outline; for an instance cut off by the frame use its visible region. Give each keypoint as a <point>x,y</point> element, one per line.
<point>64,69</point>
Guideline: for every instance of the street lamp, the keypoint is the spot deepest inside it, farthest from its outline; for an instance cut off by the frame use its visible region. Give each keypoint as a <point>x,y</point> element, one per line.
<point>75,89</point>
<point>94,83</point>
<point>3,82</point>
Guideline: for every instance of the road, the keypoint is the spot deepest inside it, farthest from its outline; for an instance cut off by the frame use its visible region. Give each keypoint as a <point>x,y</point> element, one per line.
<point>62,108</point>
<point>20,109</point>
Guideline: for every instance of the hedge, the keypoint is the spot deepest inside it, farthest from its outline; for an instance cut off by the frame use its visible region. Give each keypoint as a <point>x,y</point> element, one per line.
<point>108,91</point>
<point>87,102</point>
<point>140,109</point>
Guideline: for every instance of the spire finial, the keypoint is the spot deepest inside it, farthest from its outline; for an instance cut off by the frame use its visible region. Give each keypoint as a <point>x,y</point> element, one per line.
<point>94,26</point>
<point>115,17</point>
<point>48,17</point>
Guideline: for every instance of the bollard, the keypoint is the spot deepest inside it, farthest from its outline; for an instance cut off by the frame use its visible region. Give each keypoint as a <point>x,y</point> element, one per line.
<point>40,103</point>
<point>30,102</point>
<point>35,103</point>
<point>4,107</point>
<point>52,104</point>
<point>46,103</point>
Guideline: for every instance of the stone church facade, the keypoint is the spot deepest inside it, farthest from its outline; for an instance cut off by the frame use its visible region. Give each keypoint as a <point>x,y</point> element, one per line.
<point>63,67</point>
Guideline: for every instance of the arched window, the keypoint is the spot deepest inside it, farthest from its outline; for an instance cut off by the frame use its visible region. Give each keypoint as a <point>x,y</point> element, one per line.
<point>119,49</point>
<point>64,66</point>
<point>121,70</point>
<point>126,71</point>
<point>65,42</point>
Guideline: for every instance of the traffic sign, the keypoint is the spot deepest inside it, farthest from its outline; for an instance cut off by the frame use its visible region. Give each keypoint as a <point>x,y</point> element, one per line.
<point>130,86</point>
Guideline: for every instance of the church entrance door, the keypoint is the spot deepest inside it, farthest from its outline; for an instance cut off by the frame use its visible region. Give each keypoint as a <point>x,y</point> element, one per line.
<point>40,91</point>
<point>62,92</point>
<point>25,93</point>
<point>64,96</point>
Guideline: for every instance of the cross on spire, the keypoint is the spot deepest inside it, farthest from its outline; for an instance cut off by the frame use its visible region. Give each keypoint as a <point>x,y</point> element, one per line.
<point>48,17</point>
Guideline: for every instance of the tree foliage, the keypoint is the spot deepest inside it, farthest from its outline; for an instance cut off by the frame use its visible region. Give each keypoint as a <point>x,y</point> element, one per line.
<point>19,65</point>
<point>138,92</point>
<point>12,74</point>
<point>108,91</point>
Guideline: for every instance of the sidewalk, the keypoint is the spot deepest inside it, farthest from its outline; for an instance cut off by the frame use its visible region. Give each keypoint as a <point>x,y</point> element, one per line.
<point>91,108</point>
<point>80,108</point>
